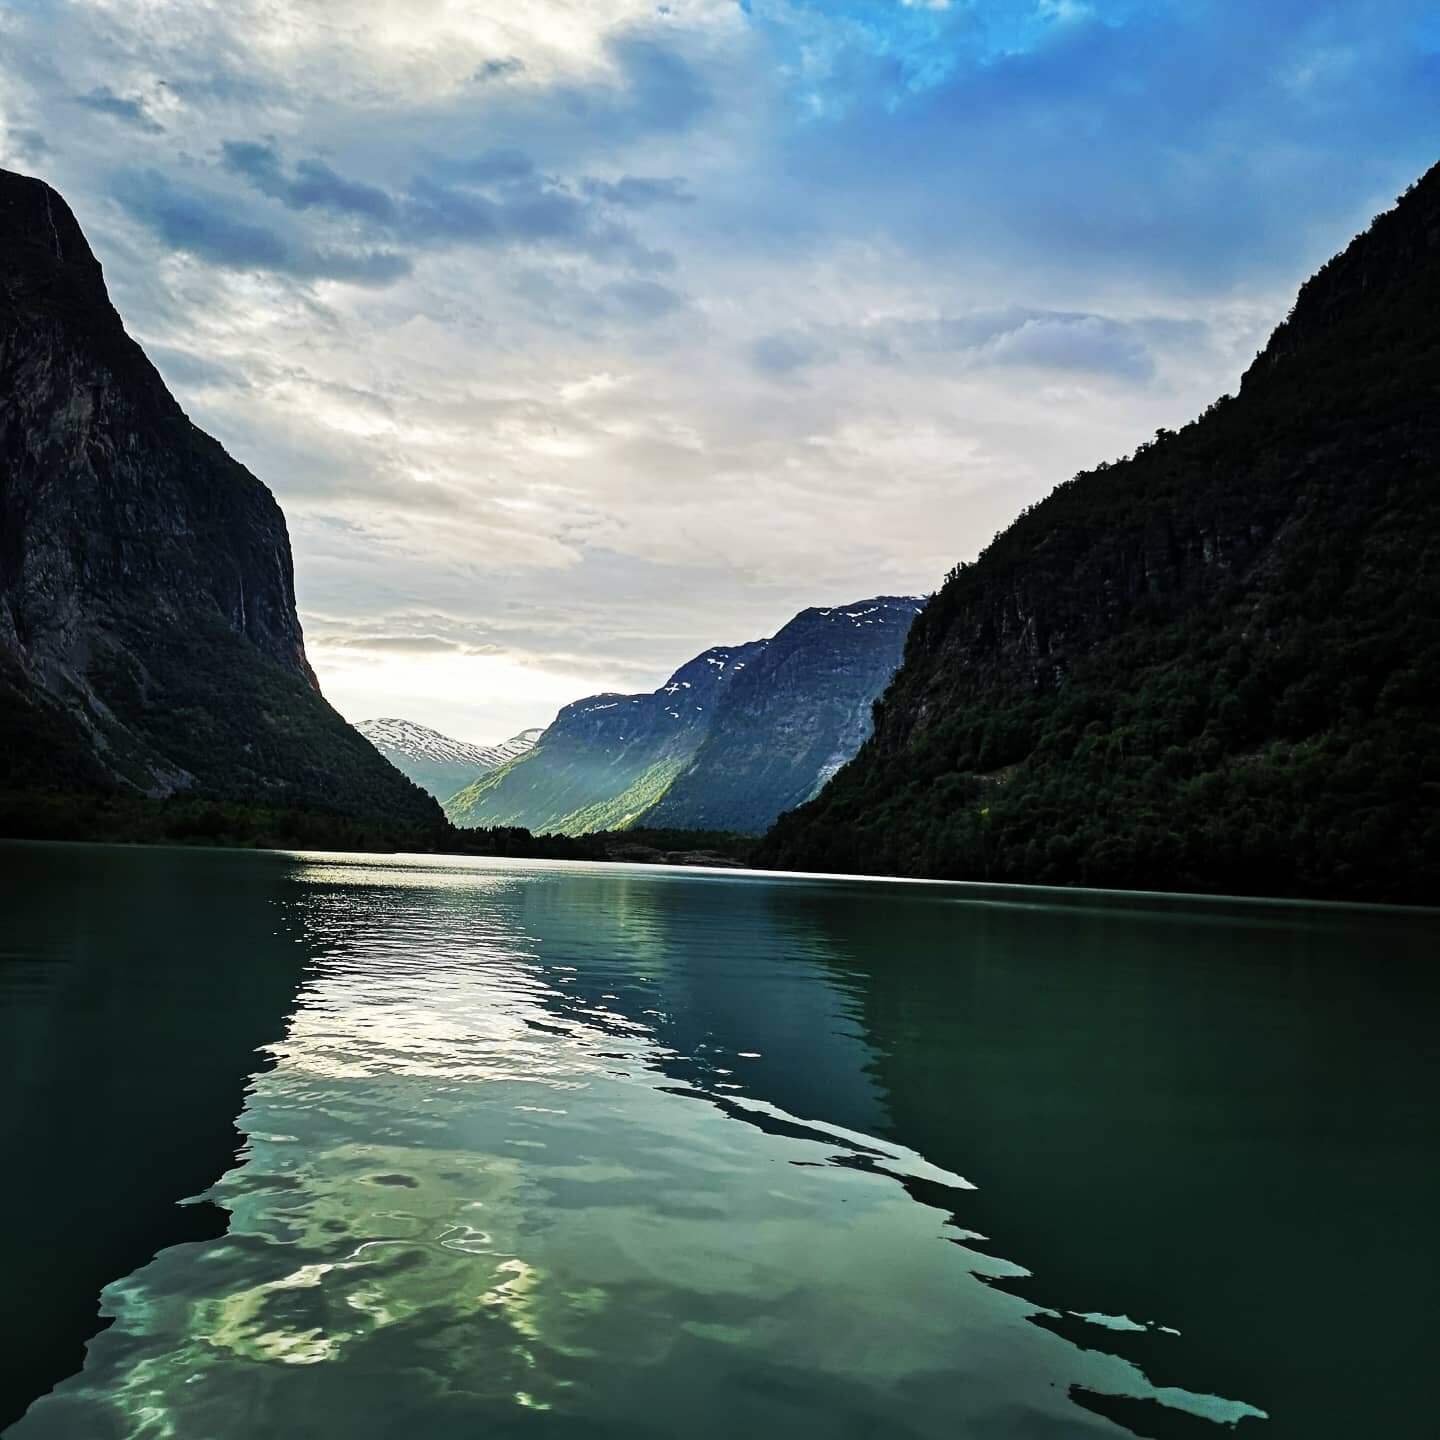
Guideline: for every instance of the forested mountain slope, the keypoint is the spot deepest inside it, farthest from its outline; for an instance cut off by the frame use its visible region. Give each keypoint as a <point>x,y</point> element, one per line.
<point>1213,665</point>
<point>149,644</point>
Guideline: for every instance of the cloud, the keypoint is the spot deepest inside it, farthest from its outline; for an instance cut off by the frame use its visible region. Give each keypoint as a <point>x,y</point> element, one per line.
<point>645,299</point>
<point>498,69</point>
<point>131,109</point>
<point>313,184</point>
<point>194,372</point>
<point>493,199</point>
<point>555,297</point>
<point>1086,343</point>
<point>206,225</point>
<point>488,167</point>
<point>1097,345</point>
<point>405,644</point>
<point>26,144</point>
<point>781,354</point>
<point>527,212</point>
<point>661,89</point>
<point>635,192</point>
<point>660,326</point>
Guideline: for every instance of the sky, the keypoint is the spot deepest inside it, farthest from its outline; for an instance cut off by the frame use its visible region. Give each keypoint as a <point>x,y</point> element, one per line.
<point>577,336</point>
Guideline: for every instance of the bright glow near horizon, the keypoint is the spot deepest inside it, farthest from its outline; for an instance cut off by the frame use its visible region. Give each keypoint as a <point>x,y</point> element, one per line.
<point>445,688</point>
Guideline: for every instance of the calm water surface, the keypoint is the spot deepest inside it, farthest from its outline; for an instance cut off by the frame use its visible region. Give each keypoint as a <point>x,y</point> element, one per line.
<point>577,1150</point>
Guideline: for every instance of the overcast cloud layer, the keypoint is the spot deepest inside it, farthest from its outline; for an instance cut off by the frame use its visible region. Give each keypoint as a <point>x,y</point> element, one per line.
<point>576,336</point>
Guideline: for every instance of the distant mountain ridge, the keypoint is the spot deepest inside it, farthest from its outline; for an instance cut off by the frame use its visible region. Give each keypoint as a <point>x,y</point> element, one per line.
<point>1210,666</point>
<point>734,737</point>
<point>436,762</point>
<point>149,643</point>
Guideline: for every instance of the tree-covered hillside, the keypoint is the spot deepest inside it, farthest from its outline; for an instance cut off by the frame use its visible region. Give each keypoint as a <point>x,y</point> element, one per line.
<point>1213,665</point>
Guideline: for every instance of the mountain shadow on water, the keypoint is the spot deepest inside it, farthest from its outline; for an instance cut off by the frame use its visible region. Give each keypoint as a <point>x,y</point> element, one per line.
<point>1209,666</point>
<point>125,1055</point>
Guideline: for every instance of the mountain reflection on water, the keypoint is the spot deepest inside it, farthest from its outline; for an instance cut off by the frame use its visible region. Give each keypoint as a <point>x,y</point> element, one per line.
<point>587,1150</point>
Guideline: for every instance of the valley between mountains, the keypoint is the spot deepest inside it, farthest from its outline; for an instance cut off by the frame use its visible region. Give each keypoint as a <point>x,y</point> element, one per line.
<point>1211,665</point>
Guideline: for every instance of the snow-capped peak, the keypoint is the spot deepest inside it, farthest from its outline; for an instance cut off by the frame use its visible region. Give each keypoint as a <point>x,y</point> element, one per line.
<point>394,737</point>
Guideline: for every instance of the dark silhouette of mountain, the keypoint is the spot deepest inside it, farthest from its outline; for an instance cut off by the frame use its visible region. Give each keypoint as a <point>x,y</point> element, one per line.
<point>1211,666</point>
<point>729,741</point>
<point>149,645</point>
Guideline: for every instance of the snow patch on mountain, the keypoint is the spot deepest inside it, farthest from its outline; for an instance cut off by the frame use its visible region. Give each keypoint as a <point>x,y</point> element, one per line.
<point>419,742</point>
<point>440,763</point>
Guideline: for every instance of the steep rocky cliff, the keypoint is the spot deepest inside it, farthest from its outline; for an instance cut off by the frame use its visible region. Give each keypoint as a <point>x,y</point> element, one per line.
<point>731,739</point>
<point>1212,665</point>
<point>149,643</point>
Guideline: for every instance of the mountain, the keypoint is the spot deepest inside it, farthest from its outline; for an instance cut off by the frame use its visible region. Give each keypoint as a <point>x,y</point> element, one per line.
<point>436,762</point>
<point>1210,666</point>
<point>607,759</point>
<point>729,741</point>
<point>149,645</point>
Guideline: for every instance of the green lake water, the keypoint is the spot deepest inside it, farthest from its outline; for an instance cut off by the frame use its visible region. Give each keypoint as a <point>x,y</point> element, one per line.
<point>477,1148</point>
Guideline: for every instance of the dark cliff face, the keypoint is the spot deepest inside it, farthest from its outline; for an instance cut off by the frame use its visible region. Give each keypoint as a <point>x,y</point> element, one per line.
<point>791,718</point>
<point>1200,667</point>
<point>112,497</point>
<point>731,739</point>
<point>148,636</point>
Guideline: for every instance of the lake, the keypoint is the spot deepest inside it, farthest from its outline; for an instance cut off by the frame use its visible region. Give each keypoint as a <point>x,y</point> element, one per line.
<point>362,1147</point>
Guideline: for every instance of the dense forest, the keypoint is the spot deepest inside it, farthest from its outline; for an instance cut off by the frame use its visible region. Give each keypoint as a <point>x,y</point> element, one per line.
<point>1210,666</point>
